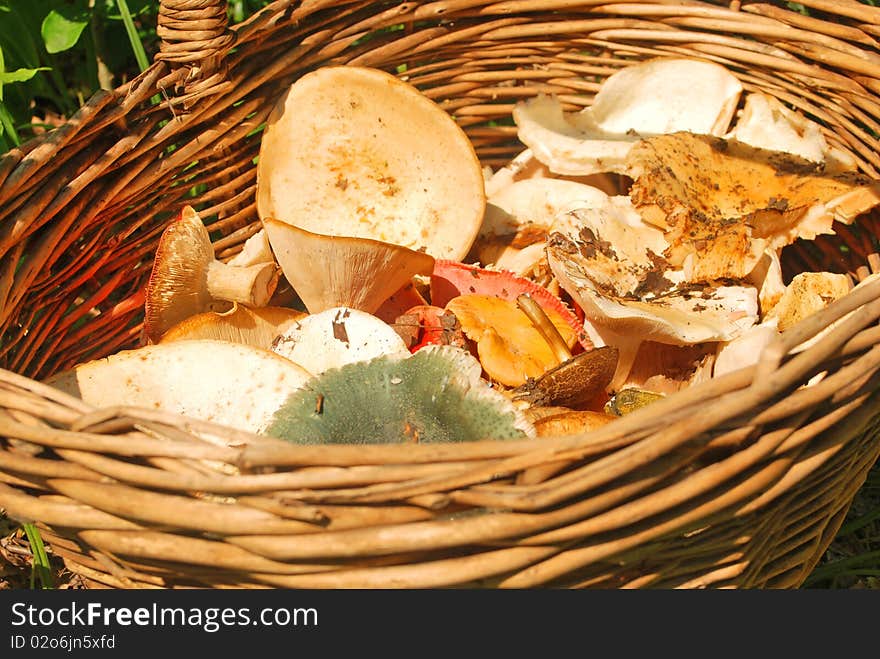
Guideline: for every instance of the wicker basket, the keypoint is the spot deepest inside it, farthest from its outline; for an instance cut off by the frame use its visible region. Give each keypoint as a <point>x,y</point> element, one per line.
<point>741,481</point>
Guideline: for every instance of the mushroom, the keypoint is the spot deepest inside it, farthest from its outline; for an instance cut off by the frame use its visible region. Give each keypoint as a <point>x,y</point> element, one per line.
<point>186,279</point>
<point>335,337</point>
<point>342,271</point>
<point>525,166</point>
<point>571,422</point>
<point>576,381</point>
<point>256,249</point>
<point>451,279</point>
<point>651,98</point>
<point>355,151</point>
<point>510,347</point>
<point>241,324</point>
<point>232,384</point>
<point>722,203</point>
<point>435,395</point>
<point>631,399</point>
<point>519,217</point>
<point>766,123</point>
<point>807,293</point>
<point>610,262</point>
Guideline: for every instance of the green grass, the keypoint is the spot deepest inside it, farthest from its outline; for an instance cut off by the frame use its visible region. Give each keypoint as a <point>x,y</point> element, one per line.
<point>853,559</point>
<point>41,567</point>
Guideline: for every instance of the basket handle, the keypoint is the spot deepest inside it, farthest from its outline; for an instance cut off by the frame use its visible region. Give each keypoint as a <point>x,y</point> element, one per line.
<point>195,35</point>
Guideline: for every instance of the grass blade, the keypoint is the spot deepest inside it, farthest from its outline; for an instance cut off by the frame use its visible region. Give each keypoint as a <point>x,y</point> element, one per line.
<point>42,569</point>
<point>139,53</point>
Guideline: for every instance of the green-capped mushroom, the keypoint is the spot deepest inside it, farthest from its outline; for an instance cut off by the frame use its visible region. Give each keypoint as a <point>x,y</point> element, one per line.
<point>435,395</point>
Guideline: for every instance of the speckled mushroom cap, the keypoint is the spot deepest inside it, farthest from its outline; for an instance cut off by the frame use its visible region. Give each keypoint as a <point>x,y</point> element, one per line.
<point>354,151</point>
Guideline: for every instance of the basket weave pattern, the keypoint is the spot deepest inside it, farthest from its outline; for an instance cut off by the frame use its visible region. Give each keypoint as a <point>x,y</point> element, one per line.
<point>738,482</point>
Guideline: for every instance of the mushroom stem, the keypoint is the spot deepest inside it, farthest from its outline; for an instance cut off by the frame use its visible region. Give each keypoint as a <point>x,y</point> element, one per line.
<point>545,326</point>
<point>252,285</point>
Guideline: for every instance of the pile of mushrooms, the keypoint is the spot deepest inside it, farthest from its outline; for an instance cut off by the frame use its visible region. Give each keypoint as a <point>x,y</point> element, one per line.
<point>630,250</point>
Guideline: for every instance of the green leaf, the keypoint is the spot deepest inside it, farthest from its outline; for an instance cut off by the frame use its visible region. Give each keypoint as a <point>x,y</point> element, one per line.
<point>62,27</point>
<point>19,75</point>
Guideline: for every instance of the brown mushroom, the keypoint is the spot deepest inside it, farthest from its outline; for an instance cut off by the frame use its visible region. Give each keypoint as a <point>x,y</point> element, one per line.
<point>186,279</point>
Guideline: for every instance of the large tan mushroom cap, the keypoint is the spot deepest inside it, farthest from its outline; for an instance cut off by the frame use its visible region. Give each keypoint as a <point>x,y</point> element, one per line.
<point>228,383</point>
<point>354,151</point>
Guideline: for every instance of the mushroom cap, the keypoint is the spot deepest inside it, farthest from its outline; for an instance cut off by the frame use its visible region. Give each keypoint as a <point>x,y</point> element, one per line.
<point>723,203</point>
<point>571,422</point>
<point>338,336</point>
<point>511,349</point>
<point>682,313</point>
<point>666,95</point>
<point>435,395</point>
<point>355,151</point>
<point>650,98</point>
<point>257,326</point>
<point>177,287</point>
<point>574,382</point>
<point>565,147</point>
<point>766,123</point>
<point>519,216</point>
<point>342,271</point>
<point>451,279</point>
<point>236,385</point>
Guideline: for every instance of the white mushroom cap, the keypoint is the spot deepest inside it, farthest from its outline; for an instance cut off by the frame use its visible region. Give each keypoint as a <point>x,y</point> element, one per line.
<point>228,383</point>
<point>665,96</point>
<point>343,271</point>
<point>537,202</point>
<point>654,97</point>
<point>338,336</point>
<point>355,151</point>
<point>519,216</point>
<point>611,262</point>
<point>767,124</point>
